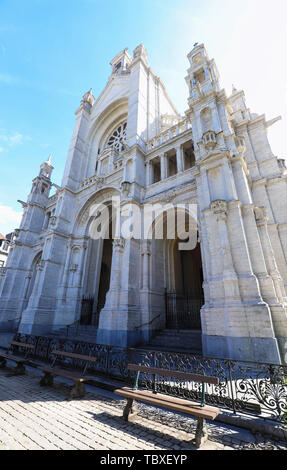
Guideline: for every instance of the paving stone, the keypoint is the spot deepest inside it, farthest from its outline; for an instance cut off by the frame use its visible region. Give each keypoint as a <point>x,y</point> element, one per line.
<point>35,418</point>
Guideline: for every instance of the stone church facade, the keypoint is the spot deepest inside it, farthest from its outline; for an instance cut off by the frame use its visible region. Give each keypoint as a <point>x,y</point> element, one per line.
<point>132,144</point>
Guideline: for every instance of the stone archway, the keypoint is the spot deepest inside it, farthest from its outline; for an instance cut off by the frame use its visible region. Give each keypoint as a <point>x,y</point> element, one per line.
<point>97,274</point>
<point>177,271</point>
<point>185,296</point>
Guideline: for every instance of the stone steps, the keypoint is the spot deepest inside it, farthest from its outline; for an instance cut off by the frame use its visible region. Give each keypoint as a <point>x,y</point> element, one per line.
<point>86,333</point>
<point>177,340</point>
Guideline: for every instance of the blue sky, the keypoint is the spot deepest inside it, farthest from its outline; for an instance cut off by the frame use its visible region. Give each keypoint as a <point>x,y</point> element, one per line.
<point>53,51</point>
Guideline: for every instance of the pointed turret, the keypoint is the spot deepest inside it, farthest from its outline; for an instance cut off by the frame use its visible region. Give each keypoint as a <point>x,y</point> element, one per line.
<point>46,168</point>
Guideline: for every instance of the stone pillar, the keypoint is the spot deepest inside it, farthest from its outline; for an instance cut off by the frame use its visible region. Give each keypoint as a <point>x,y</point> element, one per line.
<point>2,274</point>
<point>179,159</point>
<point>261,219</point>
<point>230,279</point>
<point>36,287</point>
<point>163,166</point>
<point>113,321</point>
<point>236,322</point>
<point>66,272</point>
<point>116,271</point>
<point>146,253</point>
<point>279,310</point>
<point>148,173</point>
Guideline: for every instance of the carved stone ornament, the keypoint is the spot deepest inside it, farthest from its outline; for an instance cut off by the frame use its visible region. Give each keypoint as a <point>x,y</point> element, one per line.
<point>146,248</point>
<point>100,182</point>
<point>119,243</point>
<point>219,206</point>
<point>261,214</point>
<point>53,220</point>
<point>74,268</point>
<point>40,266</point>
<point>88,97</point>
<point>126,186</point>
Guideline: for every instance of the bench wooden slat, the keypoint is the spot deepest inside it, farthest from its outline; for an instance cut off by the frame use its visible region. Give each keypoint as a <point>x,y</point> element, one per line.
<point>13,358</point>
<point>56,352</point>
<point>175,404</point>
<point>175,374</point>
<point>22,345</point>
<point>75,376</point>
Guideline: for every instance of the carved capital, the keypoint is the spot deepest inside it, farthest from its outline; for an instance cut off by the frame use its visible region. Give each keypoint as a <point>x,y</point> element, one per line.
<point>53,220</point>
<point>146,248</point>
<point>40,266</point>
<point>119,244</point>
<point>219,208</point>
<point>74,268</point>
<point>261,215</point>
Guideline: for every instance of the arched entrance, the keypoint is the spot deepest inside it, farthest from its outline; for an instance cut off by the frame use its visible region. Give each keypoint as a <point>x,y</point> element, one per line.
<point>97,276</point>
<point>185,297</point>
<point>177,270</point>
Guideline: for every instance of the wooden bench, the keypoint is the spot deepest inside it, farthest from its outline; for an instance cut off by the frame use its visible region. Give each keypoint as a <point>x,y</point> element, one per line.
<point>20,359</point>
<point>79,378</point>
<point>200,410</point>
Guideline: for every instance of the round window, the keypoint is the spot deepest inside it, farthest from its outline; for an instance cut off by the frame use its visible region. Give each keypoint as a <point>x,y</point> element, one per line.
<point>118,138</point>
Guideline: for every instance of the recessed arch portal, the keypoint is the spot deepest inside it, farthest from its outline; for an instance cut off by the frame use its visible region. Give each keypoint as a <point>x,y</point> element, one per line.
<point>177,270</point>
<point>98,269</point>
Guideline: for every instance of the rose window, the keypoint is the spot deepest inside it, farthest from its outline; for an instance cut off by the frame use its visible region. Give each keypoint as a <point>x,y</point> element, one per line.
<point>118,138</point>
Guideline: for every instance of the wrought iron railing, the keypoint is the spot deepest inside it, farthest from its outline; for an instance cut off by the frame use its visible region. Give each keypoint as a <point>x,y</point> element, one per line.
<point>183,311</point>
<point>258,389</point>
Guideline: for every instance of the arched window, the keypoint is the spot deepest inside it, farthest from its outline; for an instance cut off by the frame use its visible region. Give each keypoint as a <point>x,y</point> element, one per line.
<point>118,138</point>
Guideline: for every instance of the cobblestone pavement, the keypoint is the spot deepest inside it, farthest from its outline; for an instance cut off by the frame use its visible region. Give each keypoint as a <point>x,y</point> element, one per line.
<point>33,417</point>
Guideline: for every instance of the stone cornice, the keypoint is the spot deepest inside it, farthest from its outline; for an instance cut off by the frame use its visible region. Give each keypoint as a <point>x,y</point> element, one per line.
<point>213,156</point>
<point>172,193</point>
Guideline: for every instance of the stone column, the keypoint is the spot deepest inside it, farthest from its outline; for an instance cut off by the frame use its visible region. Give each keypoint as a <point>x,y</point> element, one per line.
<point>146,253</point>
<point>163,166</point>
<point>179,159</point>
<point>116,272</point>
<point>230,279</point>
<point>279,310</point>
<point>66,271</point>
<point>2,274</point>
<point>261,220</point>
<point>113,321</point>
<point>39,268</point>
<point>257,255</point>
<point>27,285</point>
<point>148,173</point>
<point>282,230</point>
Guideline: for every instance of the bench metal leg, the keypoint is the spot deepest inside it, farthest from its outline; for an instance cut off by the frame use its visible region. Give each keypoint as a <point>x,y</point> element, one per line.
<point>19,369</point>
<point>3,363</point>
<point>78,391</point>
<point>47,379</point>
<point>201,434</point>
<point>130,409</point>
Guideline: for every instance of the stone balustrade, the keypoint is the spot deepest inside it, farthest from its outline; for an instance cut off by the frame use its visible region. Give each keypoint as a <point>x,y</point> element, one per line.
<point>169,134</point>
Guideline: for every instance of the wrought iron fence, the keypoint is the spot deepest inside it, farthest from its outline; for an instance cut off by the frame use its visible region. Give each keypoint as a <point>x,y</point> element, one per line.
<point>87,310</point>
<point>183,311</point>
<point>258,389</point>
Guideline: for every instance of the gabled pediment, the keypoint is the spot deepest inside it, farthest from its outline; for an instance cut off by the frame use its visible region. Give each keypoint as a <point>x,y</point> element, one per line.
<point>116,89</point>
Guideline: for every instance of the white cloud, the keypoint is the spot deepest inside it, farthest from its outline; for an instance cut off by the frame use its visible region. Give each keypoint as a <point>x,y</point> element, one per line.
<point>14,139</point>
<point>8,79</point>
<point>9,219</point>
